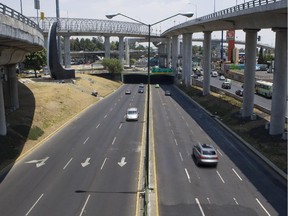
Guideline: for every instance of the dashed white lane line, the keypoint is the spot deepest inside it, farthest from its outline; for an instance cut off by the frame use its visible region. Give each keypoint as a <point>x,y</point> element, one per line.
<point>97,126</point>
<point>188,176</point>
<point>263,207</point>
<point>220,177</point>
<point>120,126</point>
<point>200,207</point>
<point>235,201</point>
<point>181,156</point>
<point>237,174</point>
<point>103,163</point>
<point>83,209</point>
<point>105,116</point>
<point>113,140</point>
<point>176,142</point>
<point>67,163</point>
<point>85,140</point>
<point>34,205</point>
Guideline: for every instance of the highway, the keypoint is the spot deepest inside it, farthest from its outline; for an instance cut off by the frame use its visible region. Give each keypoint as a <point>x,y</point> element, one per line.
<point>240,185</point>
<point>91,166</point>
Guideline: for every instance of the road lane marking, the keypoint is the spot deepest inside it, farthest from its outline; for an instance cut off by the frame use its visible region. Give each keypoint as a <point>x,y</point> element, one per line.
<point>172,132</point>
<point>235,201</point>
<point>263,207</point>
<point>83,209</point>
<point>187,175</point>
<point>208,199</point>
<point>34,204</point>
<point>200,207</point>
<point>67,163</point>
<point>113,140</point>
<point>86,140</point>
<point>120,126</point>
<point>176,142</point>
<point>219,152</point>
<point>105,116</point>
<point>181,156</point>
<point>97,126</point>
<point>237,174</point>
<point>103,163</point>
<point>220,176</point>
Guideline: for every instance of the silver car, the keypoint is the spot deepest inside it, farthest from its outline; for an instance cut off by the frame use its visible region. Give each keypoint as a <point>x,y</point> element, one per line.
<point>205,154</point>
<point>132,114</point>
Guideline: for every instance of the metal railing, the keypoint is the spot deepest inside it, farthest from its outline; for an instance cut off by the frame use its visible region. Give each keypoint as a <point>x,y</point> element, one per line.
<point>16,15</point>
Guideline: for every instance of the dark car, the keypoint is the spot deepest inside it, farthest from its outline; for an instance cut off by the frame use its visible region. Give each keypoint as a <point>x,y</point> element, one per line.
<point>140,90</point>
<point>226,85</point>
<point>167,93</point>
<point>239,92</point>
<point>205,154</point>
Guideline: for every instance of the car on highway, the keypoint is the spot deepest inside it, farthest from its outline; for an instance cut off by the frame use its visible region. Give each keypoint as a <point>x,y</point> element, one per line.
<point>226,85</point>
<point>128,92</point>
<point>239,92</point>
<point>157,86</point>
<point>132,114</point>
<point>221,77</point>
<point>141,85</point>
<point>205,154</point>
<point>141,90</point>
<point>167,93</point>
<point>214,74</point>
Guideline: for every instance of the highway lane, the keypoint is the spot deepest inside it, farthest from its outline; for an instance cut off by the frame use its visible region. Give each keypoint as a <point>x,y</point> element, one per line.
<point>241,184</point>
<point>88,167</point>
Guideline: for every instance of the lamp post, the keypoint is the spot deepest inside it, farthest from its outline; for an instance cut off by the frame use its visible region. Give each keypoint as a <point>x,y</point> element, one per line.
<point>189,15</point>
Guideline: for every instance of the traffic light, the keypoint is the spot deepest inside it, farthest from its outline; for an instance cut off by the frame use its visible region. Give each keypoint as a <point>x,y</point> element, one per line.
<point>259,38</point>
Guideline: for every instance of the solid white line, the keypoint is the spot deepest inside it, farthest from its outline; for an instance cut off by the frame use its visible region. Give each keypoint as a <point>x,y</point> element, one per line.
<point>235,200</point>
<point>82,211</point>
<point>187,175</point>
<point>97,125</point>
<point>176,142</point>
<point>86,140</point>
<point>113,140</point>
<point>220,176</point>
<point>120,126</point>
<point>67,164</point>
<point>34,204</point>
<point>219,152</point>
<point>263,207</point>
<point>181,156</point>
<point>103,163</point>
<point>237,174</point>
<point>200,207</point>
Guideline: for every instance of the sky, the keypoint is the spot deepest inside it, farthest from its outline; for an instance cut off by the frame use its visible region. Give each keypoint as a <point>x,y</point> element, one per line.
<point>145,11</point>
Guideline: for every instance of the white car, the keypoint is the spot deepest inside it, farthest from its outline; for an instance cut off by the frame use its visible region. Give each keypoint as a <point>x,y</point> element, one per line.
<point>221,77</point>
<point>214,73</point>
<point>132,114</point>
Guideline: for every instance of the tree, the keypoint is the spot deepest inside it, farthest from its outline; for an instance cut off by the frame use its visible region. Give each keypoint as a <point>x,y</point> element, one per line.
<point>112,65</point>
<point>35,60</point>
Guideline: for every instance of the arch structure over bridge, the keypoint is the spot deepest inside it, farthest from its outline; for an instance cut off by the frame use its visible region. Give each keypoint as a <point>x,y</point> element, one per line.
<point>249,17</point>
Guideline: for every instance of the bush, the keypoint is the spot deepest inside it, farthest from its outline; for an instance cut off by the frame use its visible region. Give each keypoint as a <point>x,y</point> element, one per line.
<point>112,65</point>
<point>34,133</point>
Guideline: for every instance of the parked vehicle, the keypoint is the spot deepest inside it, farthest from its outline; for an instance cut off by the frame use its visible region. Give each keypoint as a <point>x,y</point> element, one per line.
<point>205,154</point>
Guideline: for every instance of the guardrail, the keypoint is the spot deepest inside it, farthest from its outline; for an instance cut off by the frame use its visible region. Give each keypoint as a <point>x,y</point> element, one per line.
<point>16,15</point>
<point>240,7</point>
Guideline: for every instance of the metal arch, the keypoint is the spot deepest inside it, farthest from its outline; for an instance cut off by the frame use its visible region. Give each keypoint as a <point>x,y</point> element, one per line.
<point>96,26</point>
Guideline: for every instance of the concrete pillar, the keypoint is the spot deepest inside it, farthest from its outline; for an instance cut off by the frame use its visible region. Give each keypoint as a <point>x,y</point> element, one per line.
<point>207,62</point>
<point>67,54</point>
<point>46,42</point>
<point>161,51</point>
<point>3,128</point>
<point>187,58</point>
<point>121,49</point>
<point>249,72</point>
<point>107,46</point>
<point>13,87</point>
<point>168,51</point>
<point>279,95</point>
<point>127,56</point>
<point>175,47</point>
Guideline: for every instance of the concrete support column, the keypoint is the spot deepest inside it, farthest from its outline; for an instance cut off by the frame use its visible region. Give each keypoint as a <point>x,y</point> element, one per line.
<point>46,42</point>
<point>207,62</point>
<point>13,87</point>
<point>187,58</point>
<point>168,62</point>
<point>175,48</point>
<point>279,95</point>
<point>161,51</point>
<point>127,56</point>
<point>121,49</point>
<point>3,128</point>
<point>107,46</point>
<point>249,71</point>
<point>67,55</point>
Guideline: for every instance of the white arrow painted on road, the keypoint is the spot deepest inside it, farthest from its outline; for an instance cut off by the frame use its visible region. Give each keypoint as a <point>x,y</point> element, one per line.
<point>122,162</point>
<point>86,163</point>
<point>40,162</point>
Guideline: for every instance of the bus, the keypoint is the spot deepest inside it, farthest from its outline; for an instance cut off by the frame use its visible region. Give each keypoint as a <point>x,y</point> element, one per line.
<point>264,88</point>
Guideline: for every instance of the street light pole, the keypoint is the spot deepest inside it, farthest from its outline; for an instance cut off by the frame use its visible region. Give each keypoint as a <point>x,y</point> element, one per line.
<point>148,94</point>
